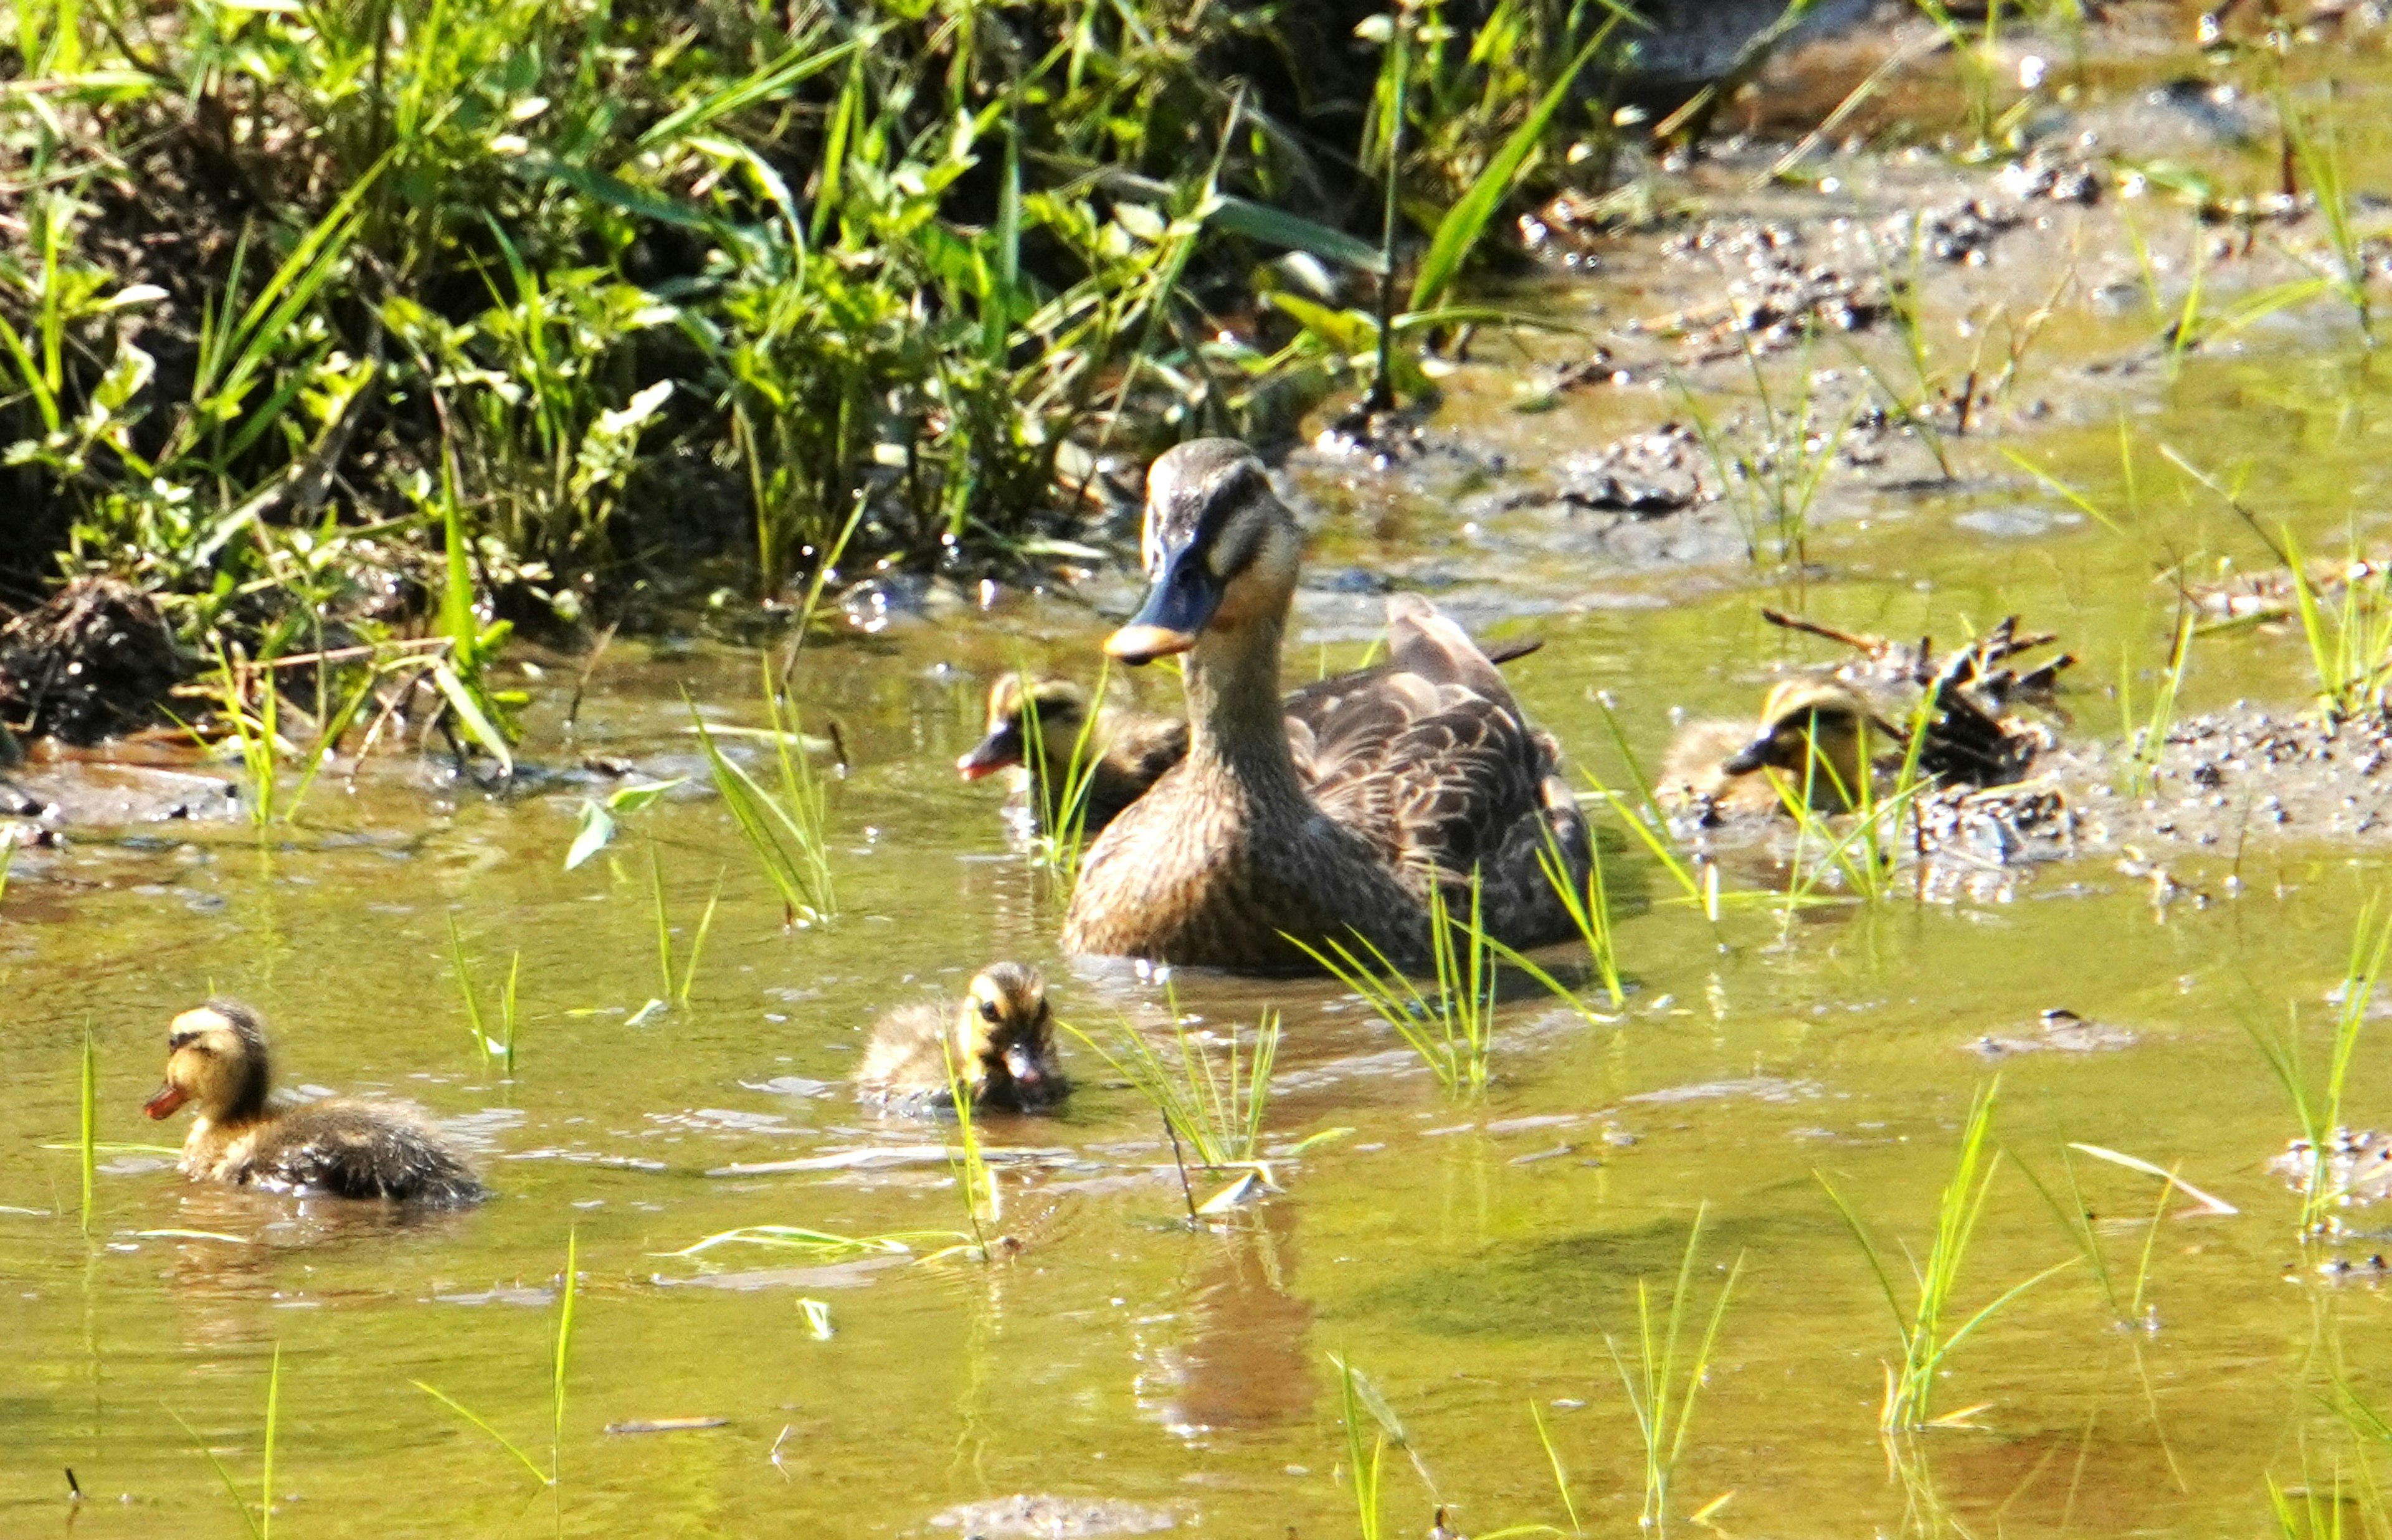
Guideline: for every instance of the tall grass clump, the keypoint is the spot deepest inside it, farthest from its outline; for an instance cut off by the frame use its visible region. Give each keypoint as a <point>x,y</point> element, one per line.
<point>2349,637</point>
<point>2318,1109</point>
<point>1663,1402</point>
<point>1453,1029</point>
<point>1926,1345</point>
<point>786,824</point>
<point>604,288</point>
<point>560,1357</point>
<point>1212,1098</point>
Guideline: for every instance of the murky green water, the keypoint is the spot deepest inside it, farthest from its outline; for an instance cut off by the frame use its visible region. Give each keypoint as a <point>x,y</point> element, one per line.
<point>1470,1257</point>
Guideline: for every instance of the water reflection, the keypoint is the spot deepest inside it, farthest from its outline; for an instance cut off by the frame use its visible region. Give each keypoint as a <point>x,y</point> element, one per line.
<point>1245,1363</point>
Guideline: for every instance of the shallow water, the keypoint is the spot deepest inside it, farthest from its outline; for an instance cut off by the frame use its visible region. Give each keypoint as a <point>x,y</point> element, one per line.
<point>1470,1257</point>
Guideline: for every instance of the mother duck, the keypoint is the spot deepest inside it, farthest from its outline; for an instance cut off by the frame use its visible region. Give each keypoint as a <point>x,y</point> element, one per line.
<point>1272,832</point>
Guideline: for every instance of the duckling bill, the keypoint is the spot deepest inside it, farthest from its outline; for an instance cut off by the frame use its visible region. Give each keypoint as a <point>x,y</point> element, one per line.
<point>998,1044</point>
<point>216,1059</point>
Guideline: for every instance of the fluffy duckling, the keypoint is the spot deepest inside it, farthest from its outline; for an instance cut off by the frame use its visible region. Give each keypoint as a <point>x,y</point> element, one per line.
<point>216,1057</point>
<point>1001,1038</point>
<point>1125,752</point>
<point>1811,732</point>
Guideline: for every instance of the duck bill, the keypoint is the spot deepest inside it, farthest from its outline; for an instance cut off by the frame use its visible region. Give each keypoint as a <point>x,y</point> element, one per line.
<point>1176,611</point>
<point>1029,1076</point>
<point>1752,756</point>
<point>164,1103</point>
<point>998,751</point>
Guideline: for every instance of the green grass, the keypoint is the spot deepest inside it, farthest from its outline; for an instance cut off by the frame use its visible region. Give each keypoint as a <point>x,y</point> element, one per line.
<point>560,1358</point>
<point>88,1109</point>
<point>676,982</point>
<point>1663,1402</point>
<point>784,824</point>
<point>819,1245</point>
<point>1063,809</point>
<point>258,1520</point>
<point>1452,1030</point>
<point>975,1177</point>
<point>498,1047</point>
<point>913,263</point>
<point>2318,1109</point>
<point>2349,638</point>
<point>2146,732</point>
<point>1926,1345</point>
<point>1213,1098</point>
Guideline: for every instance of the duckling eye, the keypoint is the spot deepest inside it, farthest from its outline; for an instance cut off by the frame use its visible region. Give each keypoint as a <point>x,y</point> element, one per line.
<point>988,1010</point>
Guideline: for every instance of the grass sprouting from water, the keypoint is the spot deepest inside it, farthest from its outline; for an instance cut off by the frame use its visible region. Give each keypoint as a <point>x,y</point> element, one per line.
<point>1590,912</point>
<point>2319,1109</point>
<point>88,1154</point>
<point>1454,1032</point>
<point>677,983</point>
<point>501,1047</point>
<point>2349,638</point>
<point>560,1359</point>
<point>786,825</point>
<point>2147,738</point>
<point>259,1524</point>
<point>975,1178</point>
<point>1663,1404</point>
<point>1213,1098</point>
<point>1063,809</point>
<point>1925,1345</point>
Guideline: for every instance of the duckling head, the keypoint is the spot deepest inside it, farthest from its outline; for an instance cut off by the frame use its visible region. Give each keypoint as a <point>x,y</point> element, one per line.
<point>1004,1038</point>
<point>1811,730</point>
<point>1221,551</point>
<point>216,1056</point>
<point>1058,706</point>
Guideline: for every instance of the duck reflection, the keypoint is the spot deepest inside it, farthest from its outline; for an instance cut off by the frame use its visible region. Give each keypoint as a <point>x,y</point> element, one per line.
<point>1246,1364</point>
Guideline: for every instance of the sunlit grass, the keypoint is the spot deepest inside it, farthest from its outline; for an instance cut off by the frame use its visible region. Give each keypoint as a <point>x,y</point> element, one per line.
<point>1062,810</point>
<point>498,1048</point>
<point>1453,1029</point>
<point>786,825</point>
<point>87,1159</point>
<point>975,1177</point>
<point>675,983</point>
<point>1926,1346</point>
<point>2317,1110</point>
<point>1214,1097</point>
<point>256,1519</point>
<point>1662,1402</point>
<point>560,1359</point>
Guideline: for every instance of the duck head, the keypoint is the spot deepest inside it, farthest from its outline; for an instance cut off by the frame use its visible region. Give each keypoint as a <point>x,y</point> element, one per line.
<point>216,1056</point>
<point>1808,723</point>
<point>1057,706</point>
<point>1221,551</point>
<point>1005,1038</point>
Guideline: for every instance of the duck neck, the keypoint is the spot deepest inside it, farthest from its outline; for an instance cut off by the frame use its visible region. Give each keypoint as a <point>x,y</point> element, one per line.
<point>1235,720</point>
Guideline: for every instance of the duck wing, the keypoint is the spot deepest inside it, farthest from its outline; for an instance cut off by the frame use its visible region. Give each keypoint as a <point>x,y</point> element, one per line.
<point>1434,762</point>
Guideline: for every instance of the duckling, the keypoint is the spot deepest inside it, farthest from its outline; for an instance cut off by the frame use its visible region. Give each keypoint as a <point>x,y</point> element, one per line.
<point>216,1056</point>
<point>1126,753</point>
<point>1001,1039</point>
<point>1811,731</point>
<point>1129,750</point>
<point>1255,848</point>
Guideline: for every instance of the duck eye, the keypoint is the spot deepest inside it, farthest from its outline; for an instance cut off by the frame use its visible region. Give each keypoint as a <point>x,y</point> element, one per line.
<point>988,1010</point>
